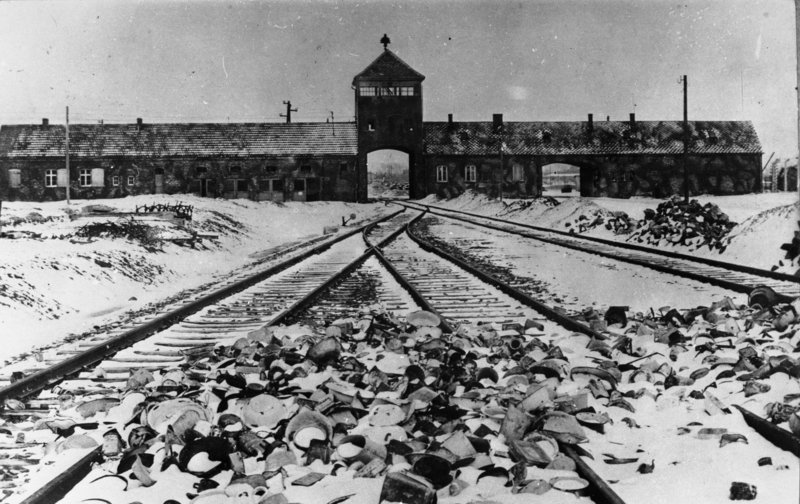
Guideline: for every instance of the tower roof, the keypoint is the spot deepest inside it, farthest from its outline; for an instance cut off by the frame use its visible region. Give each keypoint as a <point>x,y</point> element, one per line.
<point>389,67</point>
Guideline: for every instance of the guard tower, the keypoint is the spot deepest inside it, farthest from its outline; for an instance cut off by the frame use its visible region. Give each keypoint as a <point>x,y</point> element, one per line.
<point>389,115</point>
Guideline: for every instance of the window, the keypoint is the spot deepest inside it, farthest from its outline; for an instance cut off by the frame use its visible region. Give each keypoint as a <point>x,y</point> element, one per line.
<point>470,173</point>
<point>236,170</point>
<point>547,136</point>
<point>85,177</point>
<point>271,169</point>
<point>115,180</point>
<point>517,173</point>
<point>200,170</point>
<point>131,180</point>
<point>342,168</point>
<point>51,178</point>
<point>305,168</point>
<point>386,90</point>
<point>14,178</point>
<point>300,185</point>
<point>486,173</point>
<point>441,173</point>
<point>241,185</point>
<point>277,185</point>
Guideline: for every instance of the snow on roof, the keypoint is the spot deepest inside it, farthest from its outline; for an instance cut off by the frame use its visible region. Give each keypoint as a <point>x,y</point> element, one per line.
<point>607,137</point>
<point>388,66</point>
<point>164,140</point>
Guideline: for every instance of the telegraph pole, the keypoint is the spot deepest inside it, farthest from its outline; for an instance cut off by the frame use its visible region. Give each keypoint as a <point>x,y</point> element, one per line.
<point>289,110</point>
<point>66,150</point>
<point>797,43</point>
<point>685,142</point>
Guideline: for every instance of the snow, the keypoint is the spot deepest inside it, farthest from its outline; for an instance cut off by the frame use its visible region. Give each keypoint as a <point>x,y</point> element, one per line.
<point>52,285</point>
<point>576,280</point>
<point>765,221</point>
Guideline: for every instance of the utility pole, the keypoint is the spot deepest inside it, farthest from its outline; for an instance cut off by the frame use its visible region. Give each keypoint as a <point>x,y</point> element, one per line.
<point>289,110</point>
<point>66,150</point>
<point>797,88</point>
<point>685,141</point>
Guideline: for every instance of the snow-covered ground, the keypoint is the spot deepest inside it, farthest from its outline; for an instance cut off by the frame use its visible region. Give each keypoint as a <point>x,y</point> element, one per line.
<point>764,221</point>
<point>53,283</point>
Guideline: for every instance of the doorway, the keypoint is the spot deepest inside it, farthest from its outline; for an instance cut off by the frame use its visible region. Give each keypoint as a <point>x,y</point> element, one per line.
<point>388,174</point>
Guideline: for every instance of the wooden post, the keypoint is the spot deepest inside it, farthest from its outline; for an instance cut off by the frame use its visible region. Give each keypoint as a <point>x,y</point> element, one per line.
<point>797,43</point>
<point>66,150</point>
<point>685,142</point>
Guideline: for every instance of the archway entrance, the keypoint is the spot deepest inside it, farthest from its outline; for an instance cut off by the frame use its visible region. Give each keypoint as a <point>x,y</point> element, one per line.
<point>561,180</point>
<point>387,174</point>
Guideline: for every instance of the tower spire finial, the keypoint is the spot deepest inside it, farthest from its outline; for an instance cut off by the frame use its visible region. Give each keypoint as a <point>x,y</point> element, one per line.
<point>385,41</point>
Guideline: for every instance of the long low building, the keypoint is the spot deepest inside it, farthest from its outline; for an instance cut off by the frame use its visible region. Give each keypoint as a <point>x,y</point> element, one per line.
<point>329,161</point>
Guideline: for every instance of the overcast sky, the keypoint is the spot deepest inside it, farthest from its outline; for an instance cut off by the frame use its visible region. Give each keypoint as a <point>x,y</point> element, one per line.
<point>210,61</point>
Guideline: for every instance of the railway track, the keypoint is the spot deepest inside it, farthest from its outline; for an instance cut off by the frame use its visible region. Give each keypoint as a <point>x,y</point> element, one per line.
<point>400,271</point>
<point>727,275</point>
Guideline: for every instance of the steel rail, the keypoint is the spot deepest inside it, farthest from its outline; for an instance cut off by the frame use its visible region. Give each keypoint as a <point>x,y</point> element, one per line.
<point>639,248</point>
<point>547,311</point>
<point>58,487</point>
<point>779,437</point>
<point>601,492</point>
<point>41,379</point>
<point>735,286</point>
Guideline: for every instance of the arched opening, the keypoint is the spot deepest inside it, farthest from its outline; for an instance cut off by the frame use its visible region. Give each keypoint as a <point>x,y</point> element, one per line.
<point>561,180</point>
<point>387,174</point>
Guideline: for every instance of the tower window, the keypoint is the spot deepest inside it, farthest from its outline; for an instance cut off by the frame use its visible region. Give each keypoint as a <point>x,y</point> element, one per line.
<point>470,173</point>
<point>441,173</point>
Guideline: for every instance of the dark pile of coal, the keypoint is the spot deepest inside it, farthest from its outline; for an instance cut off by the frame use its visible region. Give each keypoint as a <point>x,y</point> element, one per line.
<point>675,222</point>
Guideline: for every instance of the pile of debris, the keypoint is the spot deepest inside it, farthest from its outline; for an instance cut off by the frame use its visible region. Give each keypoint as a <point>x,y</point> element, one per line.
<point>398,410</point>
<point>792,257</point>
<point>128,229</point>
<point>620,223</point>
<point>675,222</point>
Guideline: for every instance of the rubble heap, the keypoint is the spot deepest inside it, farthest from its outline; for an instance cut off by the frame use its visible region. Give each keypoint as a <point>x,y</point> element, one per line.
<point>383,409</point>
<point>675,222</point>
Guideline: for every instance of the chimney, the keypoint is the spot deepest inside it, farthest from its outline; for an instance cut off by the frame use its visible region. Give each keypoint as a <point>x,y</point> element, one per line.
<point>497,122</point>
<point>608,118</point>
<point>138,124</point>
<point>633,121</point>
<point>450,119</point>
<point>590,127</point>
<point>45,122</point>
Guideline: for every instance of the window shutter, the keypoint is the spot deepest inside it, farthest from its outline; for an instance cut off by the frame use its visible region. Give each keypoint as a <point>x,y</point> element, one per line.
<point>61,177</point>
<point>14,178</point>
<point>97,177</point>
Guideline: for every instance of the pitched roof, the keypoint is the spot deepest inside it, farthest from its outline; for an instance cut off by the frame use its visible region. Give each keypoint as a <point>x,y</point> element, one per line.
<point>388,66</point>
<point>609,137</point>
<point>156,140</point>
